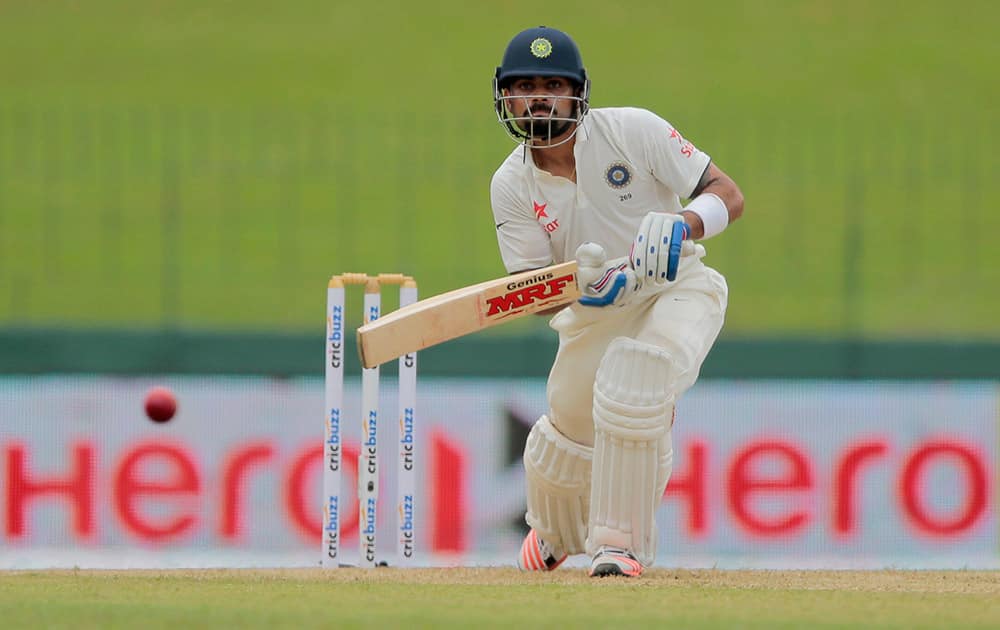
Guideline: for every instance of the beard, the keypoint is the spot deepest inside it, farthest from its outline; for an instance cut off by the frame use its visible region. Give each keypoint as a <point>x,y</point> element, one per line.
<point>542,128</point>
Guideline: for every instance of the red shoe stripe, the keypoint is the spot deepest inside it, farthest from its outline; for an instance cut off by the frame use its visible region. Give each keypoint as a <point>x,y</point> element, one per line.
<point>530,551</point>
<point>531,558</point>
<point>527,558</point>
<point>636,567</point>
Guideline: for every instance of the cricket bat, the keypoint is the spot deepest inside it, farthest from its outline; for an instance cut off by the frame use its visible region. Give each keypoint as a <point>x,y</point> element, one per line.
<point>456,313</point>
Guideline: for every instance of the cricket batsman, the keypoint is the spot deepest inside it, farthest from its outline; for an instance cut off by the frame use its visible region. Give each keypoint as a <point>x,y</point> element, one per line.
<point>604,186</point>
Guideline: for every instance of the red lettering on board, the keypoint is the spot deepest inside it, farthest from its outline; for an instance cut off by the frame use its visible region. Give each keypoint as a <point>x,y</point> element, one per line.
<point>692,487</point>
<point>76,487</point>
<point>912,488</point>
<point>847,470</point>
<point>234,483</point>
<point>745,484</point>
<point>141,477</point>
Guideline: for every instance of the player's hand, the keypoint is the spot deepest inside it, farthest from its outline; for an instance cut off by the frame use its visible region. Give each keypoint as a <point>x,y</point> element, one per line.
<point>604,281</point>
<point>656,251</point>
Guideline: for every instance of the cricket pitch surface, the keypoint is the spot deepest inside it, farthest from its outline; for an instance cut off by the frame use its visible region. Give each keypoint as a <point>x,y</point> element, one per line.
<point>498,597</point>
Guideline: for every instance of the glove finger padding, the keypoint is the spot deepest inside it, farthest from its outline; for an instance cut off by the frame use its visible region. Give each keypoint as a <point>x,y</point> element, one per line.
<point>657,247</point>
<point>603,281</point>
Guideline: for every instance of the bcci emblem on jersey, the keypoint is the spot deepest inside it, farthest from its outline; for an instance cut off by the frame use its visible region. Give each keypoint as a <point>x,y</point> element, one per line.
<point>618,176</point>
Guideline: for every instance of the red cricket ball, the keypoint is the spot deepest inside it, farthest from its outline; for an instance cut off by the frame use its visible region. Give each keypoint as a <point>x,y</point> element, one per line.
<point>160,404</point>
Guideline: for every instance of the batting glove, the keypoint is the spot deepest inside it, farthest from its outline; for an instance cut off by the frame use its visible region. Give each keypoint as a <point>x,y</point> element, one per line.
<point>604,281</point>
<point>656,252</point>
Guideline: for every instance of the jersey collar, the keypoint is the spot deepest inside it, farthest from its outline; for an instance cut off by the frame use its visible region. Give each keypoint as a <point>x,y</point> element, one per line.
<point>582,136</point>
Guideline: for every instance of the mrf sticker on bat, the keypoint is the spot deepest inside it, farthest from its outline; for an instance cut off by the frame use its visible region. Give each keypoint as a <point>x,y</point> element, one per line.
<point>528,294</point>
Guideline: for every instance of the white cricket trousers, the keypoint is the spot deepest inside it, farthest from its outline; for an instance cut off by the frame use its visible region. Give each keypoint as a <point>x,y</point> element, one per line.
<point>684,318</point>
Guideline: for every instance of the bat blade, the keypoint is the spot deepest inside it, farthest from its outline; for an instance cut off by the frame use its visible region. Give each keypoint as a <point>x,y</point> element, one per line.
<point>467,310</point>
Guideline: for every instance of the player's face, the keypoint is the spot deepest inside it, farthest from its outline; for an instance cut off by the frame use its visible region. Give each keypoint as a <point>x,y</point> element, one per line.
<point>541,106</point>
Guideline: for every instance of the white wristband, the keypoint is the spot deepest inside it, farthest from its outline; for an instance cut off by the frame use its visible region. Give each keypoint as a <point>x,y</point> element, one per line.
<point>713,213</point>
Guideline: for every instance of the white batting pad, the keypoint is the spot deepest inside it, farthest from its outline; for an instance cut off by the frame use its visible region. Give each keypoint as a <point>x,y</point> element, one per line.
<point>557,472</point>
<point>633,406</point>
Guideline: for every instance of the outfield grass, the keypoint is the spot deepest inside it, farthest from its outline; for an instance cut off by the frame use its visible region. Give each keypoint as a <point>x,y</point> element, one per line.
<point>488,597</point>
<point>209,164</point>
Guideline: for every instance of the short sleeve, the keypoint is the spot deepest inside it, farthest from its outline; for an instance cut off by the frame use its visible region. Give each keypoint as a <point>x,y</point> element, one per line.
<point>672,159</point>
<point>523,243</point>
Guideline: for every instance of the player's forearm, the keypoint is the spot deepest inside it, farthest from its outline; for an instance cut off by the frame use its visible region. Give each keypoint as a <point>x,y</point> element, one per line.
<point>731,195</point>
<point>695,223</point>
<point>717,183</point>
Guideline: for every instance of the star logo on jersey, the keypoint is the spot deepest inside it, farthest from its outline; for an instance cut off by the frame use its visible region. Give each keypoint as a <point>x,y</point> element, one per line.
<point>542,217</point>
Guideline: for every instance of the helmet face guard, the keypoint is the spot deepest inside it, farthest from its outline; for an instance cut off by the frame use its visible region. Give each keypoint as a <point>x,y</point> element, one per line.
<point>538,130</point>
<point>541,52</point>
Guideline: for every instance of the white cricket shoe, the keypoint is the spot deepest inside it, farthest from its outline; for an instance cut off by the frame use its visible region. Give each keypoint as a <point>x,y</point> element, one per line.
<point>615,561</point>
<point>538,555</point>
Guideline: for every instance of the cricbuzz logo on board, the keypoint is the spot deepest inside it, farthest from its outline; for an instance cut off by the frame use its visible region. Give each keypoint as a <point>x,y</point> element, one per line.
<point>335,335</point>
<point>406,525</point>
<point>368,532</point>
<point>333,440</point>
<point>406,439</point>
<point>331,516</point>
<point>534,291</point>
<point>371,441</point>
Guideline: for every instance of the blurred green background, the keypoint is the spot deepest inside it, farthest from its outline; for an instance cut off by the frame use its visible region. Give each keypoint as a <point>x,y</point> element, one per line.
<point>207,165</point>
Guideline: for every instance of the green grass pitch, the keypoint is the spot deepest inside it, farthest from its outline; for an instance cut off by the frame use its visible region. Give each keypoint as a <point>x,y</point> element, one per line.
<point>499,597</point>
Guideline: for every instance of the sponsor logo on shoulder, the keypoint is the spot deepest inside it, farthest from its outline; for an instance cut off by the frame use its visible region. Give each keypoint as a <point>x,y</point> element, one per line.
<point>686,148</point>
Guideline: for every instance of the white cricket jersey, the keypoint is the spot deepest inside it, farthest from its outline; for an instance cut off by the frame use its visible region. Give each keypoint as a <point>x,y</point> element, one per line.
<point>629,162</point>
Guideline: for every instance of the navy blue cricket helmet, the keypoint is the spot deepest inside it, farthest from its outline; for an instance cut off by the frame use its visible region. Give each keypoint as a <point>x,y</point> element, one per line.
<point>544,52</point>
